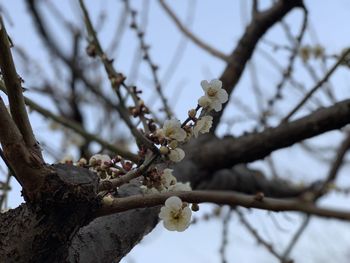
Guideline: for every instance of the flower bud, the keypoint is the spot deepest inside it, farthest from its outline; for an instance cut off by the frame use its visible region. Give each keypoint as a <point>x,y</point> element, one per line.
<point>164,150</point>
<point>192,113</point>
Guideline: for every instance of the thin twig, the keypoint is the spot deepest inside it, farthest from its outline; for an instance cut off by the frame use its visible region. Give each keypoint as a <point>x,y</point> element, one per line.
<point>190,35</point>
<point>316,87</point>
<point>256,235</point>
<point>147,57</point>
<point>295,238</point>
<point>334,170</point>
<point>116,79</point>
<point>78,129</point>
<point>5,189</point>
<point>224,236</point>
<point>106,185</point>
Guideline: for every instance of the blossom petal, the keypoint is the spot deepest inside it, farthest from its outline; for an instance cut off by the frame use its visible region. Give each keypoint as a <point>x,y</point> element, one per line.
<point>216,84</point>
<point>176,155</point>
<point>180,187</point>
<point>204,102</point>
<point>205,85</point>
<point>173,202</point>
<point>216,105</point>
<point>222,95</point>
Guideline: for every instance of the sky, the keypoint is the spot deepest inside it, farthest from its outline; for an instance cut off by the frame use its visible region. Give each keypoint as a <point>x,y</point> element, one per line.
<point>219,23</point>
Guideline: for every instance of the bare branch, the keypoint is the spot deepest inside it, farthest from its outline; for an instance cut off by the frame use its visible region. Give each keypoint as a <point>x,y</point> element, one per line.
<point>255,234</point>
<point>335,167</point>
<point>221,198</point>
<point>147,57</point>
<point>15,94</point>
<point>28,169</point>
<point>317,86</point>
<point>230,151</point>
<point>239,57</point>
<point>190,35</point>
<point>296,237</point>
<point>116,79</point>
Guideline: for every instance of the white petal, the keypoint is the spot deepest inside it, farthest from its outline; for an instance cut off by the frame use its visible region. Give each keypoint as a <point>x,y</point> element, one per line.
<point>176,155</point>
<point>173,203</point>
<point>187,213</point>
<point>215,83</point>
<point>179,135</point>
<point>184,220</point>
<point>205,85</point>
<point>180,187</point>
<point>204,101</point>
<point>169,224</point>
<point>216,105</point>
<point>168,178</point>
<point>164,213</point>
<point>222,95</point>
<point>197,128</point>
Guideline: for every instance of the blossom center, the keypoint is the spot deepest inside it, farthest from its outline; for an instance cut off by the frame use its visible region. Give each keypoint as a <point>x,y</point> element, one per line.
<point>212,92</point>
<point>176,214</point>
<point>169,132</point>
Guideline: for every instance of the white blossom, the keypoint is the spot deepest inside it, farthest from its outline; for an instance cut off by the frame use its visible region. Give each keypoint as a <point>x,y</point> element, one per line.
<point>175,216</point>
<point>203,125</point>
<point>204,101</point>
<point>172,130</point>
<point>147,190</point>
<point>176,155</point>
<point>99,159</point>
<point>168,178</point>
<point>214,96</point>
<point>180,187</point>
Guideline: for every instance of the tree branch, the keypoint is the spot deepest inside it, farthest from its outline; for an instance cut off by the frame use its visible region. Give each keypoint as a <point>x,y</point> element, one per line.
<point>28,169</point>
<point>116,79</point>
<point>229,151</point>
<point>15,94</point>
<point>239,57</point>
<point>221,198</point>
<point>190,35</point>
<point>317,86</point>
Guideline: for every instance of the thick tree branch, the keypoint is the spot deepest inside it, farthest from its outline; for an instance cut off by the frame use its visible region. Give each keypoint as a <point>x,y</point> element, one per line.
<point>28,169</point>
<point>110,238</point>
<point>230,151</point>
<point>15,94</point>
<point>259,25</point>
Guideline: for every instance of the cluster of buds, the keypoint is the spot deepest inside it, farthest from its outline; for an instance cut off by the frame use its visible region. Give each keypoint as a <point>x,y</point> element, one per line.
<point>140,108</point>
<point>162,181</point>
<point>107,168</point>
<point>306,52</point>
<point>102,164</point>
